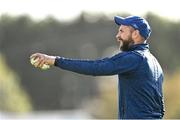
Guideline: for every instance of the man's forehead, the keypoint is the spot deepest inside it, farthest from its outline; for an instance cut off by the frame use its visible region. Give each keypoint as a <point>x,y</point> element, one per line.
<point>123,27</point>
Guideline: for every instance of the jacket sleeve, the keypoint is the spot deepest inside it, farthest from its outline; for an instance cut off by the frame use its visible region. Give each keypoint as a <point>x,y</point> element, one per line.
<point>120,63</point>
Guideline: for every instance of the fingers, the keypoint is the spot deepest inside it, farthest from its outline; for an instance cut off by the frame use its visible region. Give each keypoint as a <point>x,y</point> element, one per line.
<point>40,59</point>
<point>35,55</point>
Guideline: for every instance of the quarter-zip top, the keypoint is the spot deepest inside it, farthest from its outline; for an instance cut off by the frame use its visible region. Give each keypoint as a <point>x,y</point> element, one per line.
<point>140,80</point>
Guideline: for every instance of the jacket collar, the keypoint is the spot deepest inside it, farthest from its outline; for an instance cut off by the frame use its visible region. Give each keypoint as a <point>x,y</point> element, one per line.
<point>143,46</point>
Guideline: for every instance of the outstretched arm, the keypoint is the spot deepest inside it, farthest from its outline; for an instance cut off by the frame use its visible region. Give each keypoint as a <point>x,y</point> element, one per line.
<point>88,67</point>
<point>119,63</point>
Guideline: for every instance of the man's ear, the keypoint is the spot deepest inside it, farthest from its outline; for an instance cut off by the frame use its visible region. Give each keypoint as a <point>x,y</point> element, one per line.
<point>135,34</point>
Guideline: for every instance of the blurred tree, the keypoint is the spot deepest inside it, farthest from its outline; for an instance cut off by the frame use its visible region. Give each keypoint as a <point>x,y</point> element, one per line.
<point>12,96</point>
<point>172,96</point>
<point>52,89</point>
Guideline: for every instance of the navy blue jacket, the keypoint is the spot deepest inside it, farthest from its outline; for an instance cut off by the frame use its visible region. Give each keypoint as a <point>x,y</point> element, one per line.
<point>140,80</point>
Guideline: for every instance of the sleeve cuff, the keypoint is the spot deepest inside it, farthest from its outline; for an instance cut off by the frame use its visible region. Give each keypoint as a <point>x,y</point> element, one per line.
<point>56,60</point>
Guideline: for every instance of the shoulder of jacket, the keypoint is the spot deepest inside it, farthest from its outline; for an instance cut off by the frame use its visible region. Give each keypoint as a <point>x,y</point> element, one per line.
<point>129,54</point>
<point>138,53</point>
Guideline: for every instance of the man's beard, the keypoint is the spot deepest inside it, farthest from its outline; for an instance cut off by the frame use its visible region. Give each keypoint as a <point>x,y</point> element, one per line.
<point>125,44</point>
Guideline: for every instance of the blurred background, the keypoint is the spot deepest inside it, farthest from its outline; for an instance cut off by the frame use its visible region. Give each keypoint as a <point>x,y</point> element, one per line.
<point>81,29</point>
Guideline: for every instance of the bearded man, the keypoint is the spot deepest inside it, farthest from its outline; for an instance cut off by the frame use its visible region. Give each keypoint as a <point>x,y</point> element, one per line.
<point>140,75</point>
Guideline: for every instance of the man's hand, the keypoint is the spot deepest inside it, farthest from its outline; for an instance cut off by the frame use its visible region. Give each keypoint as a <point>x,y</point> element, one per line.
<point>41,59</point>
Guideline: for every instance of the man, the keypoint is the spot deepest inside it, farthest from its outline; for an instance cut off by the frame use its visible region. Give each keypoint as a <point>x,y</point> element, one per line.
<point>140,75</point>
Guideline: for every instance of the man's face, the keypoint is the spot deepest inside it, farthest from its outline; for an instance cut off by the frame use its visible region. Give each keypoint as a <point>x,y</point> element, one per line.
<point>124,36</point>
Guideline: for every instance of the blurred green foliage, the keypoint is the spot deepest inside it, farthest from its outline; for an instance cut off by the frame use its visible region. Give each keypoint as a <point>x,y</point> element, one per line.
<point>13,98</point>
<point>172,96</point>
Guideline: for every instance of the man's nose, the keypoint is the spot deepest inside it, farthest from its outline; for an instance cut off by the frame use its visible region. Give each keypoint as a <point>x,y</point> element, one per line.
<point>117,36</point>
